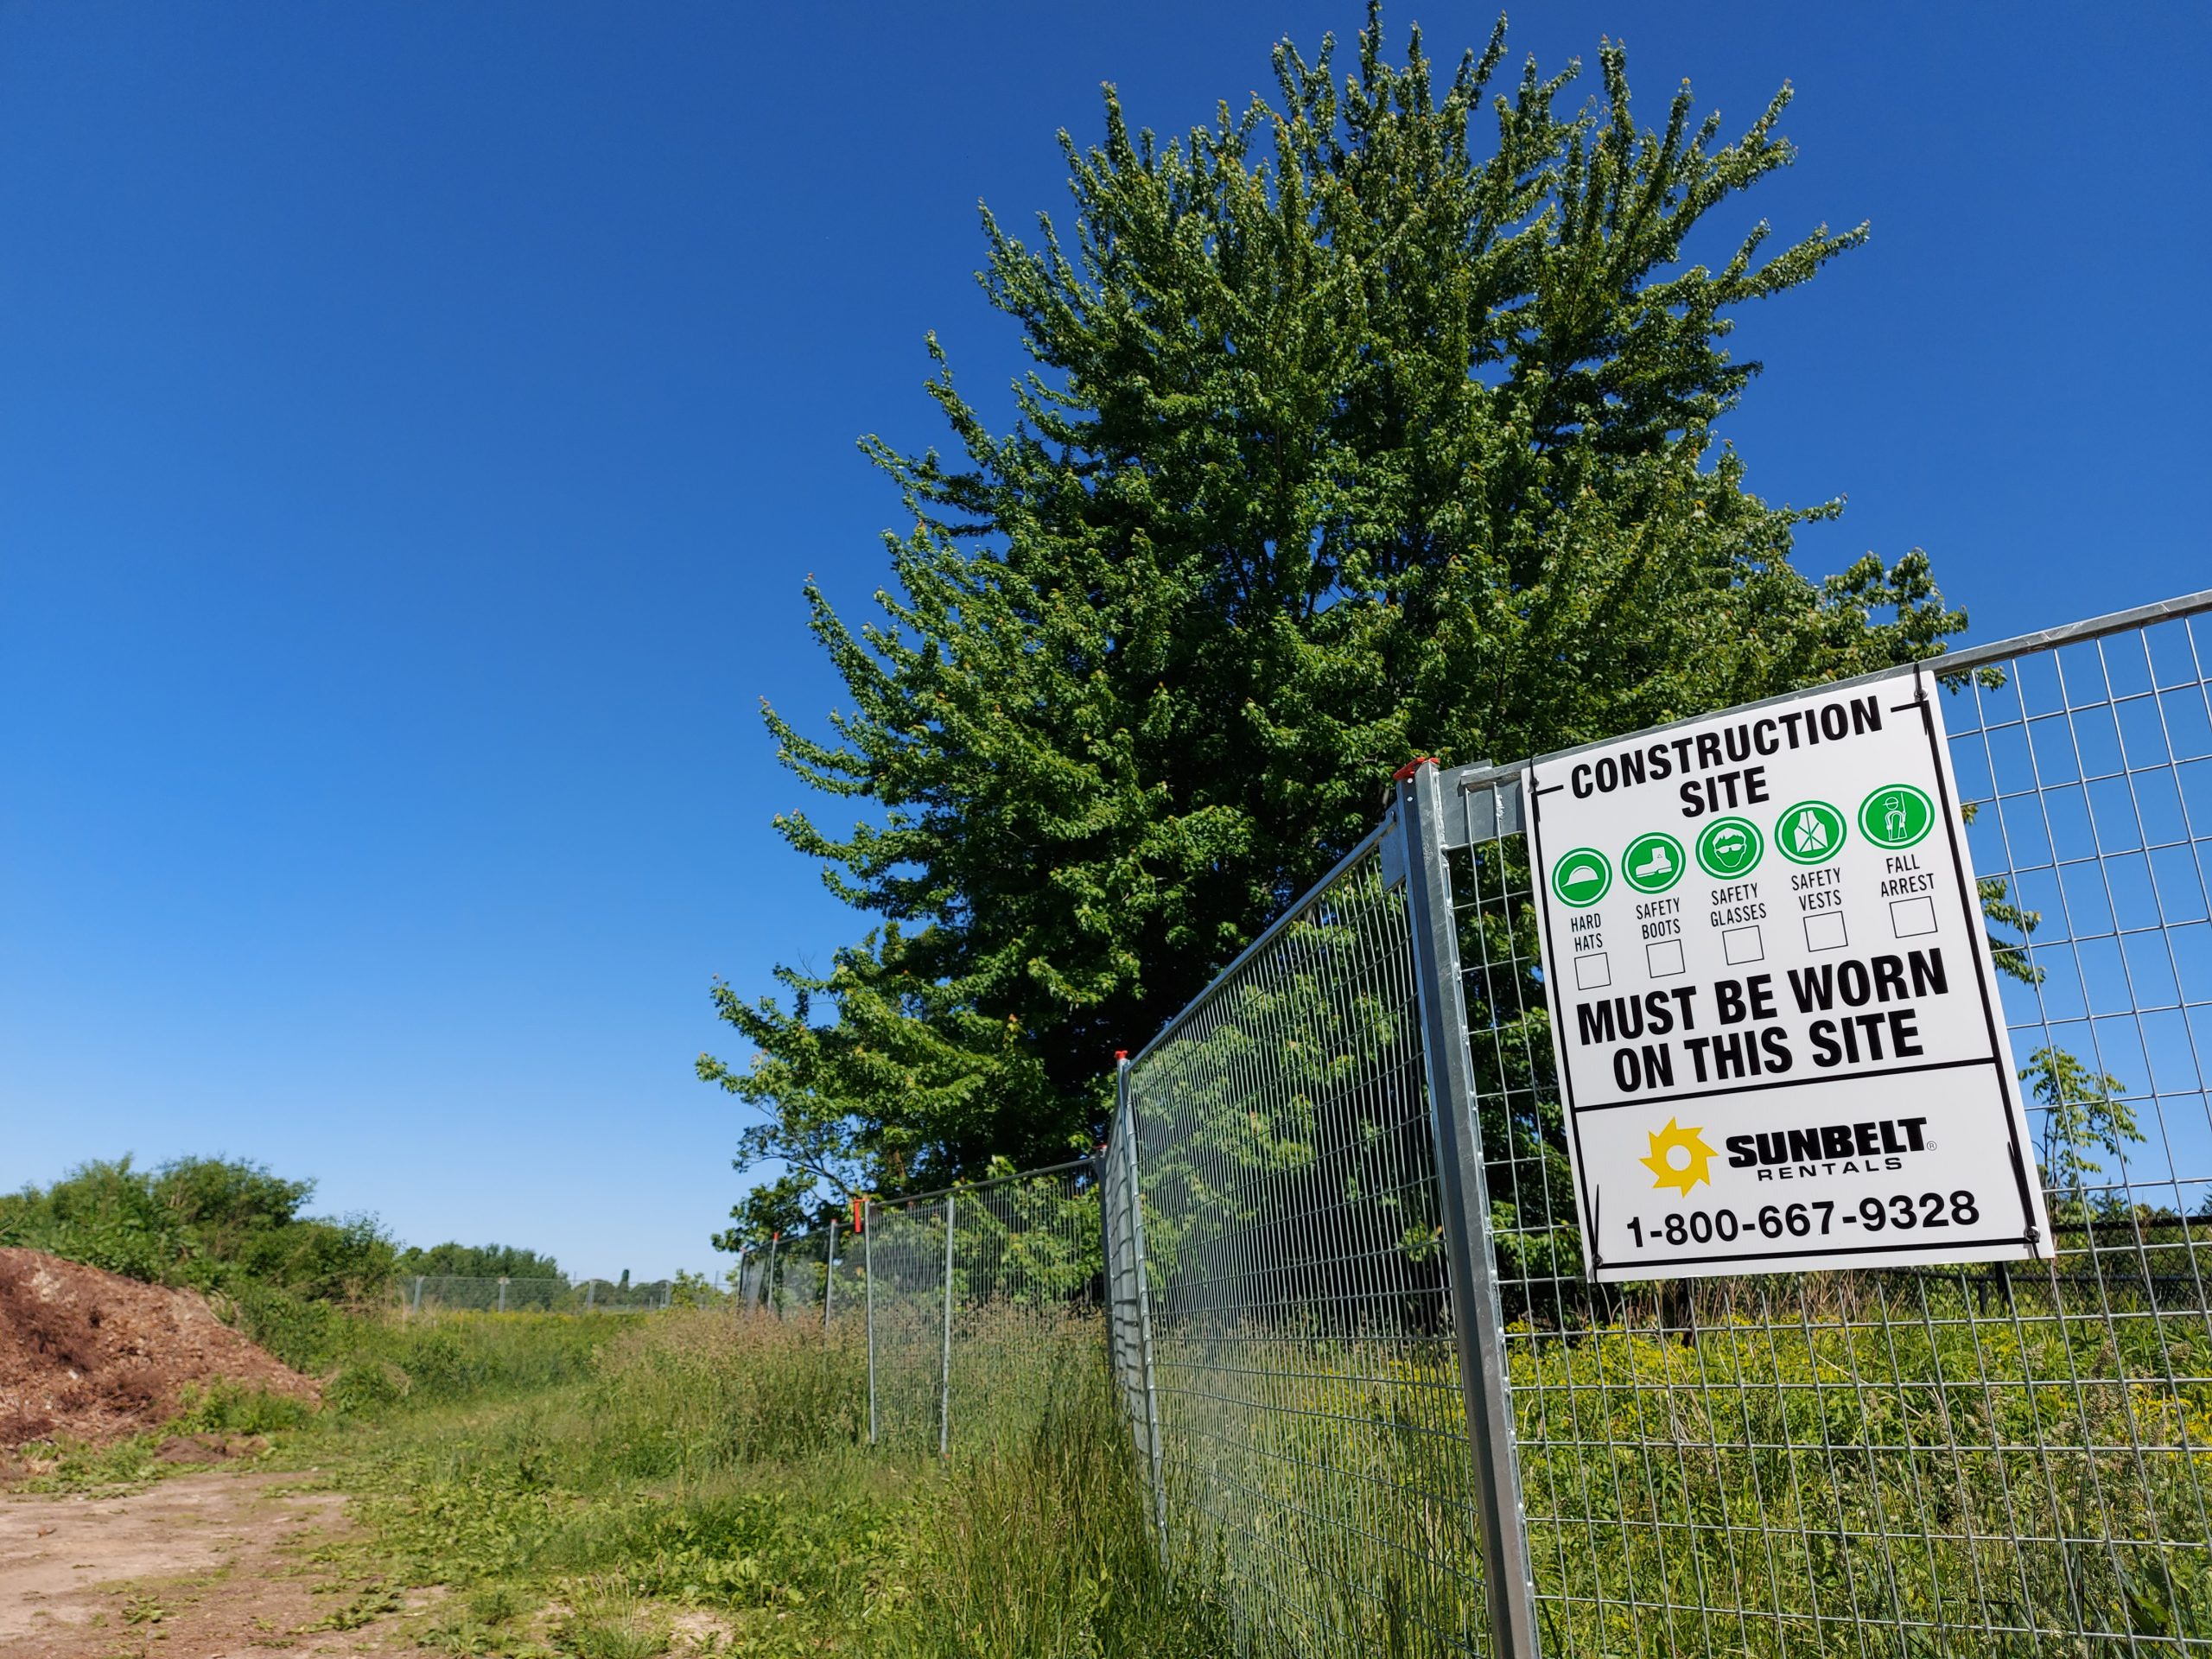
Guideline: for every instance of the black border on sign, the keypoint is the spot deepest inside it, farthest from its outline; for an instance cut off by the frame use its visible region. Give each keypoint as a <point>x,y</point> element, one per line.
<point>2015,1112</point>
<point>2006,1085</point>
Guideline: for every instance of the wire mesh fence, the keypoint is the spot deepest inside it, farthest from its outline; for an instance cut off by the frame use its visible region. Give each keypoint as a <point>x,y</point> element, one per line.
<point>1312,1449</point>
<point>977,1301</point>
<point>801,1276</point>
<point>1389,1412</point>
<point>1992,1459</point>
<point>453,1293</point>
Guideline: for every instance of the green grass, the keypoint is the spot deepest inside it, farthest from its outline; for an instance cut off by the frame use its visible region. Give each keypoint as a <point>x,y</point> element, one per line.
<point>700,1482</point>
<point>1891,1463</point>
<point>225,1408</point>
<point>1870,1465</point>
<point>1853,1465</point>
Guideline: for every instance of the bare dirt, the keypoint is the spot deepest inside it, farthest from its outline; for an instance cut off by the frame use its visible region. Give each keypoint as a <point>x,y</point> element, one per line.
<point>97,1356</point>
<point>220,1565</point>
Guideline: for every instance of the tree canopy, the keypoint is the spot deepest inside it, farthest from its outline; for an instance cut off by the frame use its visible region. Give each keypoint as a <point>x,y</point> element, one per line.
<point>479,1262</point>
<point>1376,419</point>
<point>214,1223</point>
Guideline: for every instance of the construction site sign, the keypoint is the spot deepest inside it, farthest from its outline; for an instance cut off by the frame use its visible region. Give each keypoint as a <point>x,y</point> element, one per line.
<point>1774,1008</point>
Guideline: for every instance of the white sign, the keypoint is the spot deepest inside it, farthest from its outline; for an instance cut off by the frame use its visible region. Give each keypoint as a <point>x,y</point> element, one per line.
<point>1776,1018</point>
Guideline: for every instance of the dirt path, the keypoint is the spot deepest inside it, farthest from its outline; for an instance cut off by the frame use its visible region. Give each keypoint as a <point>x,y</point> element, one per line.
<point>211,1566</point>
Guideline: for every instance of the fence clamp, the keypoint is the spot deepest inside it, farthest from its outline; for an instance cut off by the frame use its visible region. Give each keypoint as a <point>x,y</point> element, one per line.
<point>1391,849</point>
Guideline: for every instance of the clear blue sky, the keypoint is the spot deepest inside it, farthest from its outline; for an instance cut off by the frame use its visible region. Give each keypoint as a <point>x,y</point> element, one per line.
<point>415,422</point>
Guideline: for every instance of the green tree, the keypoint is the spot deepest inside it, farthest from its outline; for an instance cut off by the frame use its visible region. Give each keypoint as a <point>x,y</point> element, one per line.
<point>1352,437</point>
<point>214,1223</point>
<point>790,1204</point>
<point>480,1262</point>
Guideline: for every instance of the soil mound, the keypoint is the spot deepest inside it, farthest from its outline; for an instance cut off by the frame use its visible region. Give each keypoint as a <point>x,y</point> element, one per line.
<point>98,1357</point>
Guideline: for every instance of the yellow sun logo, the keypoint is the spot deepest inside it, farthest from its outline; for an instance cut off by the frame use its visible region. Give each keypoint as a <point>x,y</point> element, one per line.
<point>1680,1158</point>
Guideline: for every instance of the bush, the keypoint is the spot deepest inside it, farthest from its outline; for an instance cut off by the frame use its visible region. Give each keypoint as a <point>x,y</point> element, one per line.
<point>207,1223</point>
<point>227,1407</point>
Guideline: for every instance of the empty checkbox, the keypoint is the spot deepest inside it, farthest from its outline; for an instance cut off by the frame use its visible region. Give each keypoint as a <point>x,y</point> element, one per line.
<point>1909,918</point>
<point>1742,944</point>
<point>1593,972</point>
<point>1664,959</point>
<point>1825,932</point>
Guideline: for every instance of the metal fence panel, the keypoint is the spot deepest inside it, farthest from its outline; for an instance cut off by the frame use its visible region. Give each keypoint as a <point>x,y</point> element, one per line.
<point>903,1243</point>
<point>457,1293</point>
<point>977,1299</point>
<point>1973,1460</point>
<point>1935,1461</point>
<point>795,1277</point>
<point>1317,1475</point>
<point>1027,1287</point>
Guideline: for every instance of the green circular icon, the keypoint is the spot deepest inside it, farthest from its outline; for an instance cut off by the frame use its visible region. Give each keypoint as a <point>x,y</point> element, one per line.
<point>1810,832</point>
<point>1896,815</point>
<point>1729,847</point>
<point>1580,878</point>
<point>1653,862</point>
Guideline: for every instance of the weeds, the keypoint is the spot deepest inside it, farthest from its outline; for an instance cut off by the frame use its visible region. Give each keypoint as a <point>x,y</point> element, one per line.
<point>700,1483</point>
<point>69,1465</point>
<point>611,1623</point>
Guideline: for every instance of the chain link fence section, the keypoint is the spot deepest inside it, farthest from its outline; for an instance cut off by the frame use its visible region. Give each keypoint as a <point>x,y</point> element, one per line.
<point>451,1292</point>
<point>1028,1282</point>
<point>812,1276</point>
<point>1303,1403</point>
<point>1972,1459</point>
<point>978,1299</point>
<point>749,1284</point>
<point>904,1239</point>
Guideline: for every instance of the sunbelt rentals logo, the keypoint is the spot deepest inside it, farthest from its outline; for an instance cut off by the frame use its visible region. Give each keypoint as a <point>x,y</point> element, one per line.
<point>1680,1158</point>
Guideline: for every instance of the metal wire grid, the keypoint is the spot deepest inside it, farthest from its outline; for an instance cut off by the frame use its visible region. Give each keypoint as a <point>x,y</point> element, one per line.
<point>1312,1439</point>
<point>845,1285</point>
<point>967,1344</point>
<point>752,1274</point>
<point>1937,1461</point>
<point>795,1275</point>
<point>905,1303</point>
<point>1028,1282</point>
<point>461,1293</point>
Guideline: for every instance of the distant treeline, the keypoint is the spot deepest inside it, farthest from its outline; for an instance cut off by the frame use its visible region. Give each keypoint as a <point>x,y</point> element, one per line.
<point>238,1232</point>
<point>478,1261</point>
<point>212,1223</point>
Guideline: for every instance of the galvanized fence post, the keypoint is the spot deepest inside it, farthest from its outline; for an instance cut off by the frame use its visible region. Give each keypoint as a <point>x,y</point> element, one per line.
<point>503,1294</point>
<point>829,1272</point>
<point>867,1286</point>
<point>418,1294</point>
<point>768,1282</point>
<point>1125,1130</point>
<point>1509,1581</point>
<point>944,1389</point>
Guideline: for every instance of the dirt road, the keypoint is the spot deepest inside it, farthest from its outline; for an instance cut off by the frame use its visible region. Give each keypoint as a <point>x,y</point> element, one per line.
<point>206,1566</point>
